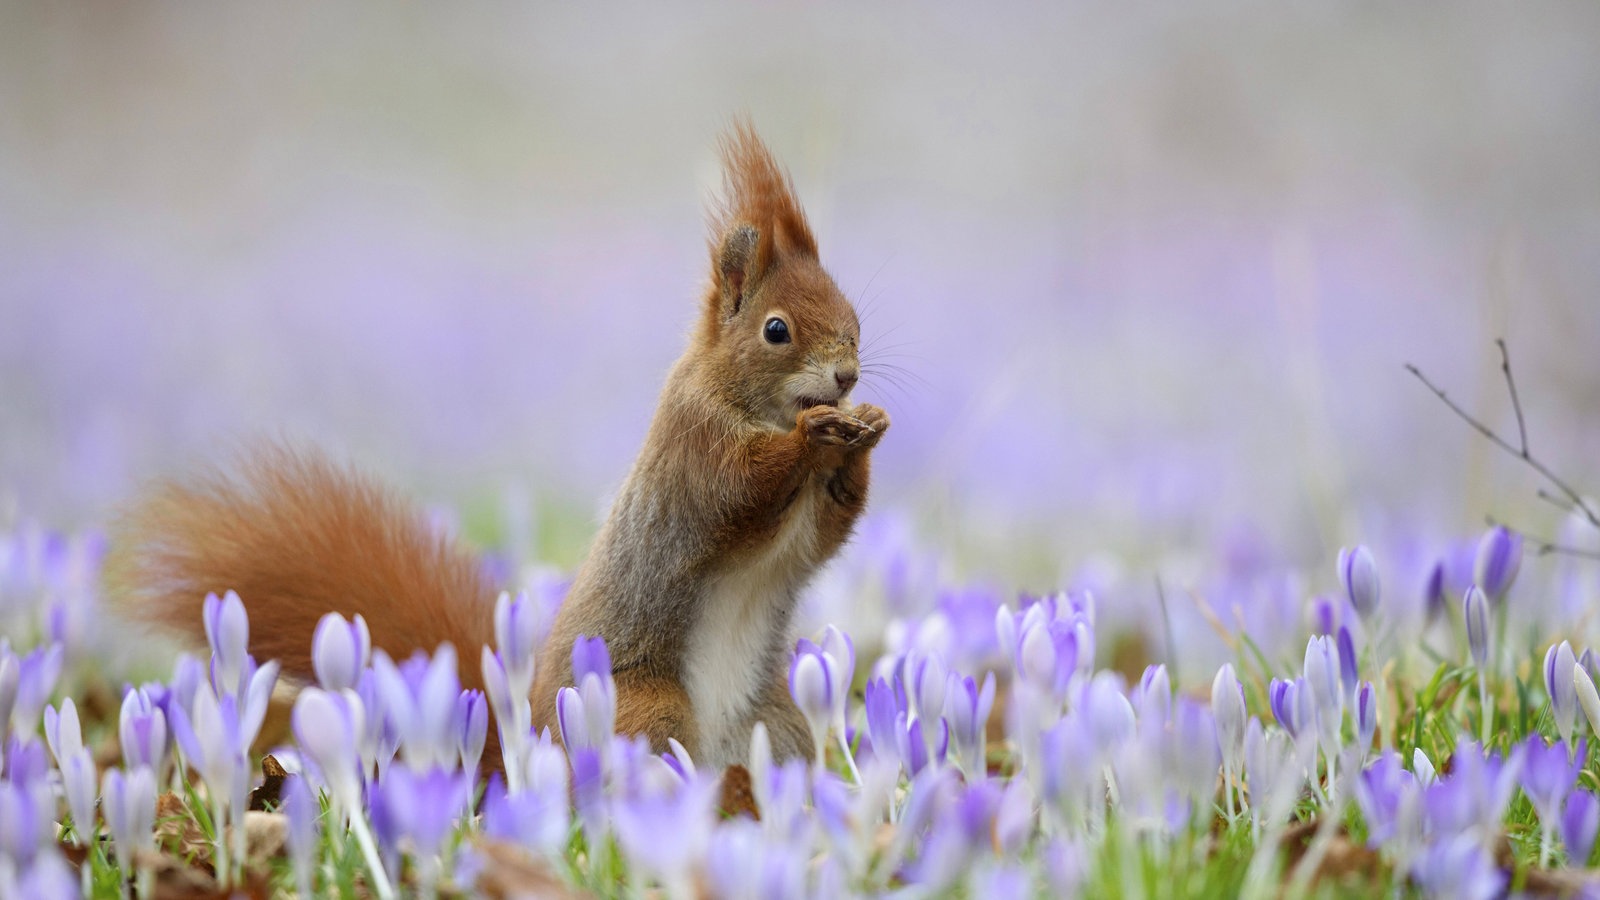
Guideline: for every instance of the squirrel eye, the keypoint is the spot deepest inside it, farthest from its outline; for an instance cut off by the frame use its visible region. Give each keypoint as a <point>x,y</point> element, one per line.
<point>776,331</point>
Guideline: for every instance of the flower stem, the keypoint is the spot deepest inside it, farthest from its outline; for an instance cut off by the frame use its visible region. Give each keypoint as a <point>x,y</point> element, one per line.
<point>369,850</point>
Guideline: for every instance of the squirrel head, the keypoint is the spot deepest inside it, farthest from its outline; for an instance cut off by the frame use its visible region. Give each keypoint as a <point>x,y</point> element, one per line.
<point>776,336</point>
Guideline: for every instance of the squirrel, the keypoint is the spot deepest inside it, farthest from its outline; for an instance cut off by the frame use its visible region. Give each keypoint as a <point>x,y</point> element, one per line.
<point>752,475</point>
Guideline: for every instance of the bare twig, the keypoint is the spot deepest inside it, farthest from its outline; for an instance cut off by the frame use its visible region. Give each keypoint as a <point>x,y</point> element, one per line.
<point>1521,452</point>
<point>1516,404</point>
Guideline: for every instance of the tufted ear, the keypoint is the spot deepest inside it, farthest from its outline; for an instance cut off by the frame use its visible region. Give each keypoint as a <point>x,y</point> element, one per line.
<point>740,262</point>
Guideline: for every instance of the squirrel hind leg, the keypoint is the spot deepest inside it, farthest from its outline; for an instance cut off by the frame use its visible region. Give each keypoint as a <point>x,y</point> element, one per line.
<point>657,708</point>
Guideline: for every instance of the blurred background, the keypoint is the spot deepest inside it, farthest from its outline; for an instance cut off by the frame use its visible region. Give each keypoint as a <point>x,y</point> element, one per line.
<point>1150,274</point>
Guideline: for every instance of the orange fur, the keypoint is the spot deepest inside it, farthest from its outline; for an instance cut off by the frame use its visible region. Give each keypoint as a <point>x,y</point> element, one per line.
<point>298,537</point>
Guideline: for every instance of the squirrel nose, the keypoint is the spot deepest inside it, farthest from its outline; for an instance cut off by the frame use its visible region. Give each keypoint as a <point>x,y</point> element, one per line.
<point>845,378</point>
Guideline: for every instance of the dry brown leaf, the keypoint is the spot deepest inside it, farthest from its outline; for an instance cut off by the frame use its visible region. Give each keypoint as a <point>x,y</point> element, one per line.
<point>509,872</point>
<point>273,775</point>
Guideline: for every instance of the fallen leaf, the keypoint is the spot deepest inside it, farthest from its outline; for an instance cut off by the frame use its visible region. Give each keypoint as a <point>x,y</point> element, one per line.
<point>271,790</point>
<point>509,872</point>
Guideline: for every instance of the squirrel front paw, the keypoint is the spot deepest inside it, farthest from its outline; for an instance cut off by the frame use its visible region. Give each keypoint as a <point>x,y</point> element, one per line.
<point>877,422</point>
<point>825,426</point>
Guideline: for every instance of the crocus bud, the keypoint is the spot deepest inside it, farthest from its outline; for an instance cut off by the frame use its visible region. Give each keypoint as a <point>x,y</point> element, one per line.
<point>327,726</point>
<point>1359,572</point>
<point>1153,700</point>
<point>1499,557</point>
<point>1559,665</point>
<point>516,631</point>
<point>61,730</point>
<point>1588,698</point>
<point>1321,671</point>
<point>838,645</point>
<point>1366,716</point>
<point>928,684</point>
<point>812,689</point>
<point>228,632</point>
<point>471,728</point>
<point>340,649</point>
<point>130,811</point>
<point>78,783</point>
<point>1475,607</point>
<point>1433,592</point>
<point>1227,706</point>
<point>1348,676</point>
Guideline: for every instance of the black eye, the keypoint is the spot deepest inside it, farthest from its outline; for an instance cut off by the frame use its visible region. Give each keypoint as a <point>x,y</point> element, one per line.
<point>776,331</point>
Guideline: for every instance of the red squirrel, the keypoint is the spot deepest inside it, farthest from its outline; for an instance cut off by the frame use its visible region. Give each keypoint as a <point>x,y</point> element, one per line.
<point>754,471</point>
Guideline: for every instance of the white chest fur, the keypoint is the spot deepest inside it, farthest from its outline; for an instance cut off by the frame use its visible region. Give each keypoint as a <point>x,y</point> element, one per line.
<point>729,662</point>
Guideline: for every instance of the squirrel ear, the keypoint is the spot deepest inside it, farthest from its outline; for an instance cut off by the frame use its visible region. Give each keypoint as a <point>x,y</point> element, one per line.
<point>739,265</point>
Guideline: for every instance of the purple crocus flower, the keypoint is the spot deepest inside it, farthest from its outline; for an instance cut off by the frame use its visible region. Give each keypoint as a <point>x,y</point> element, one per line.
<point>62,731</point>
<point>1047,654</point>
<point>1580,821</point>
<point>1583,688</point>
<point>130,811</point>
<point>78,782</point>
<point>539,817</point>
<point>842,651</point>
<point>419,696</point>
<point>26,820</point>
<point>960,831</point>
<point>10,677</point>
<point>1474,797</point>
<point>1475,608</point>
<point>142,727</point>
<point>587,713</point>
<point>811,686</point>
<point>665,832</point>
<point>1349,675</point>
<point>882,711</point>
<point>420,807</point>
<point>228,632</point>
<point>327,726</point>
<point>967,709</point>
<point>1228,710</point>
<point>1388,797</point>
<point>742,865</point>
<point>1559,664</point>
<point>1194,754</point>
<point>1457,868</point>
<point>26,760</point>
<point>470,725</point>
<point>1498,559</point>
<point>516,635</point>
<point>1433,592</point>
<point>37,674</point>
<point>1288,706</point>
<point>1366,716</point>
<point>302,811</point>
<point>1152,700</point>
<point>340,649</point>
<point>1359,573</point>
<point>1548,774</point>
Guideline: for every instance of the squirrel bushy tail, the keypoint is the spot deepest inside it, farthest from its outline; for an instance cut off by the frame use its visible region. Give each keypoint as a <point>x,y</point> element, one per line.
<point>299,536</point>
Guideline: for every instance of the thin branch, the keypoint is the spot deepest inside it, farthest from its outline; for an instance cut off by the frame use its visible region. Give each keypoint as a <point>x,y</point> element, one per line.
<point>1543,547</point>
<point>1560,503</point>
<point>1511,386</point>
<point>1578,503</point>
